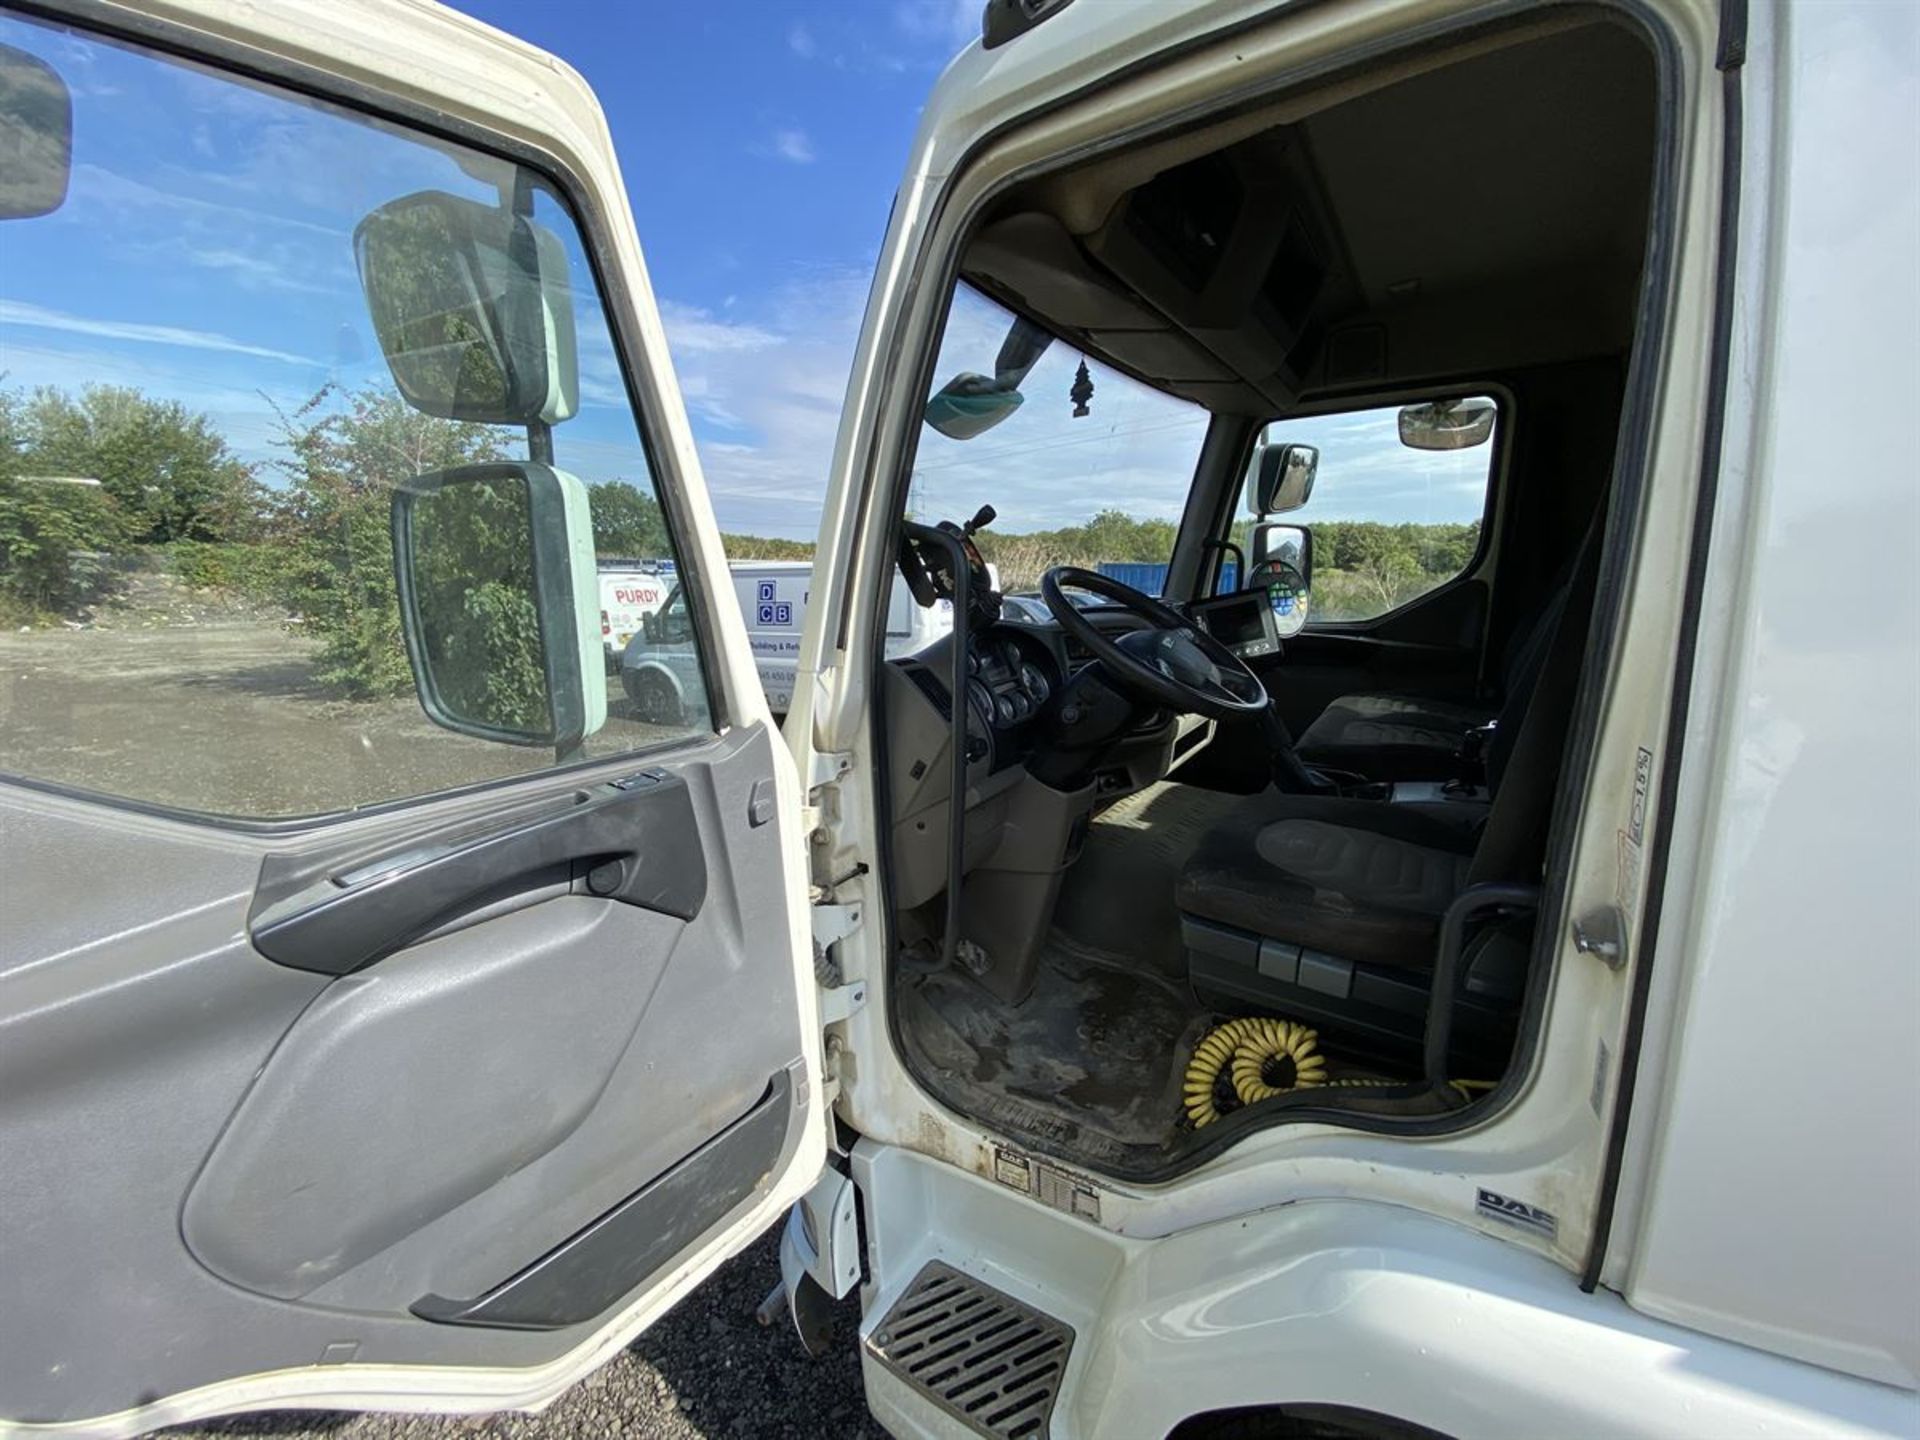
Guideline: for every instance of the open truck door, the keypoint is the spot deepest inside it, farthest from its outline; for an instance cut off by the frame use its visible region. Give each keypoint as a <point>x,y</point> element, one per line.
<point>428,1097</point>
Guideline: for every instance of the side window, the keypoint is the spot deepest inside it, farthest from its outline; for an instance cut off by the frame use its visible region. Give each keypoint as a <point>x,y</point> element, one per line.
<point>1396,505</point>
<point>224,349</point>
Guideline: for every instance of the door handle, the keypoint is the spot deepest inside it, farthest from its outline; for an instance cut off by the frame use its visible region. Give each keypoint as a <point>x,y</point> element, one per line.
<point>634,840</point>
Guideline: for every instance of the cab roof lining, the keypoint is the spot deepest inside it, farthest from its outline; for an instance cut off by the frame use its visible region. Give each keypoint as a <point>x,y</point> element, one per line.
<point>1475,208</point>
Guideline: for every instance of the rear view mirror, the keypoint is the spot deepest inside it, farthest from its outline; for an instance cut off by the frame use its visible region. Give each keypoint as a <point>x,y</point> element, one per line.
<point>499,602</point>
<point>1284,479</point>
<point>1447,424</point>
<point>36,136</point>
<point>473,309</point>
<point>970,404</point>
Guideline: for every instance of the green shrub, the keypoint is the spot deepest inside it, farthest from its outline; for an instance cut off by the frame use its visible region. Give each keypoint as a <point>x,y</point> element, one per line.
<point>55,540</point>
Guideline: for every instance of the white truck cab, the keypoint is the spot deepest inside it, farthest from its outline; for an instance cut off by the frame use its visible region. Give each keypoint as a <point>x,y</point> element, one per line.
<point>1401,995</point>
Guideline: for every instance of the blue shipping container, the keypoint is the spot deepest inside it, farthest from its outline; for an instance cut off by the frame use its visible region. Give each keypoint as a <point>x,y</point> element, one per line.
<point>1152,579</point>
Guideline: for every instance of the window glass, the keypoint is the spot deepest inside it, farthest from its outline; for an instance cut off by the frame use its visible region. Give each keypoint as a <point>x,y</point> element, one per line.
<point>200,438</point>
<point>1389,522</point>
<point>1101,490</point>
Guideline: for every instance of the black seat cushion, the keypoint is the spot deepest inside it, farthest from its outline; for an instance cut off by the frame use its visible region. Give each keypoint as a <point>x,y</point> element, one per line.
<point>1359,879</point>
<point>1390,737</point>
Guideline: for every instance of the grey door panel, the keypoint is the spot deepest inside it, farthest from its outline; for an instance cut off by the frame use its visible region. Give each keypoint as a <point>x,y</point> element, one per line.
<point>588,1271</point>
<point>405,1091</point>
<point>216,1165</point>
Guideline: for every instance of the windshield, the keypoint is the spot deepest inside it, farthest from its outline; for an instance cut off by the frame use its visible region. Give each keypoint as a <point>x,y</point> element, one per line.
<point>1103,490</point>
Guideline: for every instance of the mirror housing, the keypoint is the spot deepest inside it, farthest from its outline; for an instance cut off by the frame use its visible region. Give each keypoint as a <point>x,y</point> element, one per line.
<point>971,404</point>
<point>1448,424</point>
<point>473,309</point>
<point>1283,480</point>
<point>499,602</point>
<point>1283,559</point>
<point>36,136</point>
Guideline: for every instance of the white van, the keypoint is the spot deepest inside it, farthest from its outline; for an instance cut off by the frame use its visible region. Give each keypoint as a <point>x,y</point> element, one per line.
<point>627,596</point>
<point>1481,1002</point>
<point>660,666</point>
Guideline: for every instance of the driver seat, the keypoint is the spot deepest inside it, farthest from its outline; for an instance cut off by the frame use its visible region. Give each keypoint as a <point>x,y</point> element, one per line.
<point>1328,909</point>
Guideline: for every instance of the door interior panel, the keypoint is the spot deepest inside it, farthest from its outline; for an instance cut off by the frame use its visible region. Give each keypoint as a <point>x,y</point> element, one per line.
<point>224,1165</point>
<point>471,1056</point>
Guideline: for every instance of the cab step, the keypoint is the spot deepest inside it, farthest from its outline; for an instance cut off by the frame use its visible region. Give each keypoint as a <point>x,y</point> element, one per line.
<point>985,1358</point>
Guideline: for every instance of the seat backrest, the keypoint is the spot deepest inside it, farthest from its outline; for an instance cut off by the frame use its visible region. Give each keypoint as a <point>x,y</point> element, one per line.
<point>1524,756</point>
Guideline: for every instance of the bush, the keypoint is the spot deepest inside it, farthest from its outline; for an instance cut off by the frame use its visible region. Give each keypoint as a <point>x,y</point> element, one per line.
<point>54,542</point>
<point>255,572</point>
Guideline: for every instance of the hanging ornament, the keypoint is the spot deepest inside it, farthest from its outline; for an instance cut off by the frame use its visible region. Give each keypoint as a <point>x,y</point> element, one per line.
<point>1082,390</point>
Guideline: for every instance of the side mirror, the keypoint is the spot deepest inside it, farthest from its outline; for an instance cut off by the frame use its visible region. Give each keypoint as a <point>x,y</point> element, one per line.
<point>499,602</point>
<point>1284,479</point>
<point>473,309</point>
<point>36,136</point>
<point>650,628</point>
<point>1283,563</point>
<point>1448,424</point>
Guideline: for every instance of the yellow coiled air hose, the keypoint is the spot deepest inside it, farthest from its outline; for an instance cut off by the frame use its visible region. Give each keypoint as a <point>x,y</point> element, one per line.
<point>1254,1055</point>
<point>1277,1045</point>
<point>1210,1058</point>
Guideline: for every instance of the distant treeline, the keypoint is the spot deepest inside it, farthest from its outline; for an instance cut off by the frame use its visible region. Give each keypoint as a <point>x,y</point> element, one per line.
<point>90,483</point>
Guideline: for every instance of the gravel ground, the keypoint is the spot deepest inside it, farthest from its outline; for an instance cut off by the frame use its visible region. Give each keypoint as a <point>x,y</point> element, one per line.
<point>706,1369</point>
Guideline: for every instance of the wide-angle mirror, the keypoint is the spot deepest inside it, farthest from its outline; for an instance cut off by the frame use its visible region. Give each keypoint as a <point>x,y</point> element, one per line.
<point>36,136</point>
<point>495,570</point>
<point>472,308</point>
<point>1457,424</point>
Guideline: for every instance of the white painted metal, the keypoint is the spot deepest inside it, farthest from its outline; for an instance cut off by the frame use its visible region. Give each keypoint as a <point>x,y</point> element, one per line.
<point>1778,1174</point>
<point>1340,1302</point>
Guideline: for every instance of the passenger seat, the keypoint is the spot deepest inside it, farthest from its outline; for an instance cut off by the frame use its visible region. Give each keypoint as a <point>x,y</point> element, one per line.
<point>1412,737</point>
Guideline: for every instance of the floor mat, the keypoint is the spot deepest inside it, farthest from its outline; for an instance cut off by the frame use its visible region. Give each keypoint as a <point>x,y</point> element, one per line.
<point>1093,1058</point>
<point>1118,897</point>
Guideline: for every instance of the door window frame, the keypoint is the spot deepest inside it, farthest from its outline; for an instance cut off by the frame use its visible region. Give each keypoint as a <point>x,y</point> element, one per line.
<point>175,41</point>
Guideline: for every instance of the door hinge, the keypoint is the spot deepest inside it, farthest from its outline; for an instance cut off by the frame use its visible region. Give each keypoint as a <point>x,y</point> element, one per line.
<point>827,767</point>
<point>839,997</point>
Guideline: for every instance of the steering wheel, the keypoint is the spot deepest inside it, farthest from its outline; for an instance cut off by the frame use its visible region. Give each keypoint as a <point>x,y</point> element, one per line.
<point>1175,663</point>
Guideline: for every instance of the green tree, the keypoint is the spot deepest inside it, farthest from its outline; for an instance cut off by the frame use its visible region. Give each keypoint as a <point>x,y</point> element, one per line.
<point>333,521</point>
<point>627,521</point>
<point>167,468</point>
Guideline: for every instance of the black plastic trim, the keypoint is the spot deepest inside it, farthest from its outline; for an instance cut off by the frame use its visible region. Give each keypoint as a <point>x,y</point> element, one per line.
<point>1686,651</point>
<point>635,840</point>
<point>587,1273</point>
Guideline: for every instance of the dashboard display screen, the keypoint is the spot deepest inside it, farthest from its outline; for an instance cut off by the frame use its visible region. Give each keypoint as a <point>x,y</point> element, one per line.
<point>1242,621</point>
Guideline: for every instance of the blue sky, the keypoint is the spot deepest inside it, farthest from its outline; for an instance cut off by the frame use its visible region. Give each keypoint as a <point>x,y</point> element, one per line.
<point>205,254</point>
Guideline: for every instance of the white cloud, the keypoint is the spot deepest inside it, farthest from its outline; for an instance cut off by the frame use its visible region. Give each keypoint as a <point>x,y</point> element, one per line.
<point>800,40</point>
<point>793,145</point>
<point>693,331</point>
<point>17,312</point>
